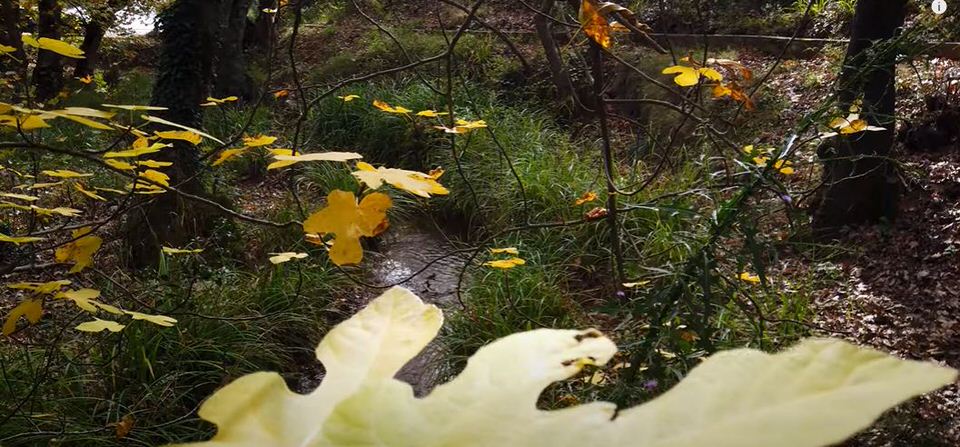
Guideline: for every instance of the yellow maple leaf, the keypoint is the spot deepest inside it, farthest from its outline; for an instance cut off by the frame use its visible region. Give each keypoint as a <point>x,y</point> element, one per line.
<point>413,182</point>
<point>158,120</point>
<point>587,197</point>
<point>59,211</point>
<point>80,251</point>
<point>98,325</point>
<point>505,264</point>
<point>121,165</point>
<point>506,250</point>
<point>79,187</point>
<point>23,197</point>
<point>19,240</point>
<point>749,277</point>
<point>348,98</point>
<point>65,173</point>
<point>228,154</point>
<point>284,160</point>
<point>280,258</point>
<point>348,220</point>
<point>41,288</point>
<point>183,135</point>
<point>31,309</point>
<point>594,24</point>
<point>57,46</point>
<point>390,109</point>
<point>259,140</point>
<point>136,151</point>
<point>430,113</point>
<point>181,251</point>
<point>159,320</point>
<point>24,123</point>
<point>154,164</point>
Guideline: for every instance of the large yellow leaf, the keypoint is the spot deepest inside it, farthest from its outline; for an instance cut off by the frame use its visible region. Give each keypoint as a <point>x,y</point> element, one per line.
<point>98,325</point>
<point>318,156</point>
<point>413,182</point>
<point>594,24</point>
<point>137,151</point>
<point>183,135</point>
<point>159,120</point>
<point>258,410</point>
<point>228,154</point>
<point>159,320</point>
<point>81,250</point>
<point>17,240</point>
<point>57,46</point>
<point>348,221</point>
<point>814,394</point>
<point>31,309</point>
<point>41,288</point>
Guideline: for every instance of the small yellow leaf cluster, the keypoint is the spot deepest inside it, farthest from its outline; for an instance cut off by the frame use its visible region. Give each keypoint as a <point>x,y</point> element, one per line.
<point>587,197</point>
<point>690,76</point>
<point>417,183</point>
<point>508,263</point>
<point>763,157</point>
<point>348,220</point>
<point>850,125</point>
<point>80,250</point>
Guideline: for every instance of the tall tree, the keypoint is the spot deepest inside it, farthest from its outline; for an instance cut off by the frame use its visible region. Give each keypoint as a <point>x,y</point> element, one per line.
<point>860,181</point>
<point>48,74</point>
<point>186,51</point>
<point>231,70</point>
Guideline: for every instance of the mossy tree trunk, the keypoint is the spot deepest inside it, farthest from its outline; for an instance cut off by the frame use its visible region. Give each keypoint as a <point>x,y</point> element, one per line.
<point>184,72</point>
<point>48,73</point>
<point>860,180</point>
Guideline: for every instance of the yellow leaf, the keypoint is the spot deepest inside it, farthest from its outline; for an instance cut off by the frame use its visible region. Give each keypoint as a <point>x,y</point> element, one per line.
<point>40,185</point>
<point>121,165</point>
<point>430,113</point>
<point>280,164</point>
<point>80,251</point>
<point>57,46</point>
<point>594,25</point>
<point>281,93</point>
<point>64,173</point>
<point>259,140</point>
<point>159,320</point>
<point>31,309</point>
<point>183,135</point>
<point>134,107</point>
<point>507,250</point>
<point>213,102</point>
<point>98,325</point>
<point>413,182</point>
<point>86,79</point>
<point>6,49</point>
<point>710,74</point>
<point>115,191</point>
<point>79,187</point>
<point>87,112</point>
<point>154,119</point>
<point>470,125</point>
<point>505,263</point>
<point>319,156</point>
<point>749,277</point>
<point>60,211</point>
<point>137,151</point>
<point>280,258</point>
<point>181,251</point>
<point>587,197</point>
<point>155,177</point>
<point>83,298</point>
<point>28,123</point>
<point>41,288</point>
<point>228,154</point>
<point>634,285</point>
<point>686,76</point>
<point>348,221</point>
<point>154,164</point>
<point>348,98</point>
<point>390,109</point>
<point>23,197</point>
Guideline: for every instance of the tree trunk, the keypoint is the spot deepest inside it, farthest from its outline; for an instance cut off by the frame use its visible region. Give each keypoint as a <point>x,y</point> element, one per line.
<point>187,47</point>
<point>48,74</point>
<point>10,35</point>
<point>558,70</point>
<point>265,28</point>
<point>93,34</point>
<point>232,77</point>
<point>861,183</point>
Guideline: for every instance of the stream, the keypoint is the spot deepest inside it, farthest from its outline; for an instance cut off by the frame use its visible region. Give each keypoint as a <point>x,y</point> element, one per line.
<point>402,251</point>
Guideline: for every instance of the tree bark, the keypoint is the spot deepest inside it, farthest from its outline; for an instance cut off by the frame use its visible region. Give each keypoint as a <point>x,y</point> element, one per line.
<point>187,47</point>
<point>265,27</point>
<point>558,70</point>
<point>10,35</point>
<point>48,74</point>
<point>860,181</point>
<point>231,76</point>
<point>93,34</point>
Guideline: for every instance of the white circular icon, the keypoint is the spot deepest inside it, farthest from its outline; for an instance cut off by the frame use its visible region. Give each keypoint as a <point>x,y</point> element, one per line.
<point>939,6</point>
